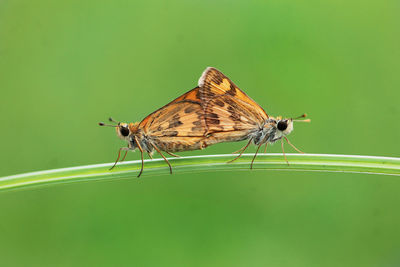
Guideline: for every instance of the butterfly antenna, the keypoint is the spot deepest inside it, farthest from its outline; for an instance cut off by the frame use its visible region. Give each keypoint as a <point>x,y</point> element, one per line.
<point>109,125</point>
<point>114,121</point>
<point>300,117</point>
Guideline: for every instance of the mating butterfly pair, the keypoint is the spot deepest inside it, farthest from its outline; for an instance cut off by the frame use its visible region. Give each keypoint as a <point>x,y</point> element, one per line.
<point>215,111</point>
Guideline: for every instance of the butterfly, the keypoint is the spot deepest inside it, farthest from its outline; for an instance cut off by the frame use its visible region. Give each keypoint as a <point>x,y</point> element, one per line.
<point>177,126</point>
<point>231,115</point>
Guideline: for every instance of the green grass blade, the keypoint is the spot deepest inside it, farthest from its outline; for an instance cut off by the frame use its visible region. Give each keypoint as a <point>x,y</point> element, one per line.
<point>209,163</point>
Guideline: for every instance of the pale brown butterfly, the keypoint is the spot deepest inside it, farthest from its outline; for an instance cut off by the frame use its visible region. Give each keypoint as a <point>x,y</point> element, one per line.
<point>231,115</point>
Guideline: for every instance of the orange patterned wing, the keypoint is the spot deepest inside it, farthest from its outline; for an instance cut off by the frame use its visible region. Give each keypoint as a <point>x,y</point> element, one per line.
<point>179,125</point>
<point>190,96</point>
<point>227,108</point>
<point>214,83</point>
<point>177,119</point>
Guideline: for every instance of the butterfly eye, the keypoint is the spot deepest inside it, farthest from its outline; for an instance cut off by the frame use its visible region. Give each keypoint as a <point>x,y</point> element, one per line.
<point>124,131</point>
<point>282,125</point>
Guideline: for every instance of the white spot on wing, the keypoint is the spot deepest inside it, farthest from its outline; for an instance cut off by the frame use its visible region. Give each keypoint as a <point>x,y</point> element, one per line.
<point>203,76</point>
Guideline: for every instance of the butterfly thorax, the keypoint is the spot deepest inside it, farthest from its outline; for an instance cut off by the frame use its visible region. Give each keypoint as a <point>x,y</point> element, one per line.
<point>133,134</point>
<point>144,142</point>
<point>133,127</point>
<point>137,135</point>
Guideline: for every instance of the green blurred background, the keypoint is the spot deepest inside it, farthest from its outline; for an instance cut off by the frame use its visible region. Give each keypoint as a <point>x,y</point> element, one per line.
<point>65,65</point>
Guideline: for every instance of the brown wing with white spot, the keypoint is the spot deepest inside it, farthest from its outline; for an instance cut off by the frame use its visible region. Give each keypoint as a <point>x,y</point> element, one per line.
<point>214,83</point>
<point>227,108</point>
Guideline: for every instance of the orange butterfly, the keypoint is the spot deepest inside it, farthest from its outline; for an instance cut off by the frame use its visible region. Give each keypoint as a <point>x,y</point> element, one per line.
<point>178,126</point>
<point>231,115</point>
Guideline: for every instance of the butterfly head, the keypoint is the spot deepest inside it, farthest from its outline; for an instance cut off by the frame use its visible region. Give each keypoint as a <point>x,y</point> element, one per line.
<point>285,126</point>
<point>124,130</point>
<point>279,127</point>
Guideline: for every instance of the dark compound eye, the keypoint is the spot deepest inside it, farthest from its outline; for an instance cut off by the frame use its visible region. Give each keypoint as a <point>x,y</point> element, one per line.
<point>124,131</point>
<point>282,125</point>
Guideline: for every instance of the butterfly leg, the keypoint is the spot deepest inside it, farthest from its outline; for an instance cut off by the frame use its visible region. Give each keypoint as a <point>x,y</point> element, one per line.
<point>141,152</point>
<point>172,154</point>
<point>241,152</point>
<point>298,150</point>
<point>126,152</point>
<point>119,155</point>
<point>252,161</point>
<point>159,152</point>
<point>283,151</point>
<point>150,155</point>
<point>265,149</point>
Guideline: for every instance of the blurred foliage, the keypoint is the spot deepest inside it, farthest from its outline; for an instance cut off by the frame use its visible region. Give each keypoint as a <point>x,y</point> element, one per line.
<point>65,65</point>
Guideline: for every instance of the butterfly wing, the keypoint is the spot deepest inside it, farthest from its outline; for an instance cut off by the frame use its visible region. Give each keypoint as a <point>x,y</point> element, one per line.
<point>189,97</point>
<point>180,143</point>
<point>227,108</point>
<point>177,119</point>
<point>179,125</point>
<point>214,83</point>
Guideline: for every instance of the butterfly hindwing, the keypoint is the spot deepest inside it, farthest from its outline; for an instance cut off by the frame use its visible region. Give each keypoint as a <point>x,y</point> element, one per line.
<point>176,144</point>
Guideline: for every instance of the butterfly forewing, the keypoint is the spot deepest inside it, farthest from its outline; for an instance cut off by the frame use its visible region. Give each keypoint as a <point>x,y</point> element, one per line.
<point>178,119</point>
<point>190,96</point>
<point>214,83</point>
<point>227,108</point>
<point>179,125</point>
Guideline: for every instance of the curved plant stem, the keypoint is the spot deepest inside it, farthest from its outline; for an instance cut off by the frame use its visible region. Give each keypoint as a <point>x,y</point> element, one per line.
<point>209,163</point>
